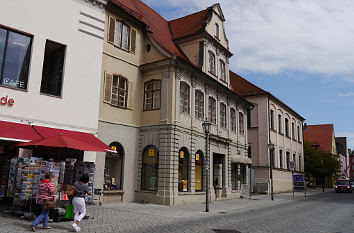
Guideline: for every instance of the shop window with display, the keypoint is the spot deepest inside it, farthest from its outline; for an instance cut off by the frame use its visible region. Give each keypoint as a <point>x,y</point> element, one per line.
<point>113,170</point>
<point>183,164</point>
<point>199,162</point>
<point>150,167</point>
<point>235,179</point>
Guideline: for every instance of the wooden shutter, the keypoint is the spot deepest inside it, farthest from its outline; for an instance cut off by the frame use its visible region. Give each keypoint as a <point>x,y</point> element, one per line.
<point>130,98</point>
<point>132,40</point>
<point>112,25</point>
<point>108,88</point>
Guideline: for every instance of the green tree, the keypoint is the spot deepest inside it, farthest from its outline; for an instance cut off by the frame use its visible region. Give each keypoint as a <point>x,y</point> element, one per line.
<point>313,166</point>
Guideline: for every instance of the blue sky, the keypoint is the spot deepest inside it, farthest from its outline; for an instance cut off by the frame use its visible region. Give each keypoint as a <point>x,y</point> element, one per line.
<point>301,51</point>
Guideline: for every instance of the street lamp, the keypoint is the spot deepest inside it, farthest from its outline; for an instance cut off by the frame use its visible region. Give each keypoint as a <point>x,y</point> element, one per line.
<point>323,179</point>
<point>206,126</point>
<point>271,151</point>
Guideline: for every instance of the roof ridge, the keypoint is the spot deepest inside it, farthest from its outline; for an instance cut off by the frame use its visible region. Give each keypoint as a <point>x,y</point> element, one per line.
<point>247,81</point>
<point>152,10</point>
<point>198,12</point>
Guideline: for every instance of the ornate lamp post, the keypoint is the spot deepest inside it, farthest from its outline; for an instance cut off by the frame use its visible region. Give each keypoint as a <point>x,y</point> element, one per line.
<point>206,126</point>
<point>271,151</point>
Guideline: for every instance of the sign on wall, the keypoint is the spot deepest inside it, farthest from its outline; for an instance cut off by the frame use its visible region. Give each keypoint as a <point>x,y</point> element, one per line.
<point>5,100</point>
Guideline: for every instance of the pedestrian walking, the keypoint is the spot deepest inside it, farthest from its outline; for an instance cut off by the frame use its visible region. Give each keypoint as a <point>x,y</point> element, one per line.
<point>46,192</point>
<point>81,189</point>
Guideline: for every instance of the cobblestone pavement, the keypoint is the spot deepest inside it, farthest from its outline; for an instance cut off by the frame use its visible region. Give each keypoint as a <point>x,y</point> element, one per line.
<point>324,212</point>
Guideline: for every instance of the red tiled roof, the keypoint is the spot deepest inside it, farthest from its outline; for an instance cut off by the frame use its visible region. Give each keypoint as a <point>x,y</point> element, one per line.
<point>320,135</point>
<point>158,26</point>
<point>189,25</point>
<point>243,87</point>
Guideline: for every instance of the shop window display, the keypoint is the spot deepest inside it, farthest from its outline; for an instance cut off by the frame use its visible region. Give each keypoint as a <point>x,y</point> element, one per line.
<point>114,168</point>
<point>235,179</point>
<point>183,170</point>
<point>150,167</point>
<point>199,159</point>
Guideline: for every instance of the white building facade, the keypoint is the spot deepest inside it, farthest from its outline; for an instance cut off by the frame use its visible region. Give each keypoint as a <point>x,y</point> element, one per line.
<point>50,63</point>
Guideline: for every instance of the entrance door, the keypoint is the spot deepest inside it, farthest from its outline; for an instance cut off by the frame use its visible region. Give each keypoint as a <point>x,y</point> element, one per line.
<point>218,174</point>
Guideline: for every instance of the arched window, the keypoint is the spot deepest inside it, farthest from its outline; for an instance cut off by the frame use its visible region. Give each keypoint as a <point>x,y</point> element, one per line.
<point>150,167</point>
<point>113,170</point>
<point>199,161</point>
<point>183,164</point>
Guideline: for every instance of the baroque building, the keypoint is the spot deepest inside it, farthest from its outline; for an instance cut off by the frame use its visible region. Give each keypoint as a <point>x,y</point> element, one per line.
<point>160,81</point>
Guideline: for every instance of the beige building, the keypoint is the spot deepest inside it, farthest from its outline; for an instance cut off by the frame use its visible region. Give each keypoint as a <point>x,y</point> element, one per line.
<point>273,121</point>
<point>160,80</point>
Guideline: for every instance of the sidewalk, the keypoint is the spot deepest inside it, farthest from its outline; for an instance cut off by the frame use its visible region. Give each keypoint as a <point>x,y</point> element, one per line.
<point>137,217</point>
<point>222,206</point>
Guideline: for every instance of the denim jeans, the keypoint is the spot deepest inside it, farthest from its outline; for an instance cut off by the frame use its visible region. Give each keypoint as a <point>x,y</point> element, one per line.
<point>43,216</point>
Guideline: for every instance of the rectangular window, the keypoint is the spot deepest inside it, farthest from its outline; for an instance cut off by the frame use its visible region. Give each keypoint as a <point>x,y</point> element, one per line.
<point>184,98</point>
<point>248,118</point>
<point>152,95</point>
<point>299,169</point>
<point>121,35</point>
<point>223,115</point>
<point>199,104</point>
<point>119,91</point>
<point>279,124</point>
<point>217,30</point>
<point>212,110</point>
<point>52,74</point>
<point>294,160</point>
<point>249,152</point>
<point>293,129</point>
<point>298,133</point>
<point>241,123</point>
<point>287,160</point>
<point>271,119</point>
<point>233,119</point>
<point>287,127</point>
<point>15,52</point>
<point>281,158</point>
<point>222,71</point>
<point>211,62</point>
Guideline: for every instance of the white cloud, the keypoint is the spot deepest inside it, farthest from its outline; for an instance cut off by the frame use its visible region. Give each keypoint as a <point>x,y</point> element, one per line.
<point>346,94</point>
<point>272,36</point>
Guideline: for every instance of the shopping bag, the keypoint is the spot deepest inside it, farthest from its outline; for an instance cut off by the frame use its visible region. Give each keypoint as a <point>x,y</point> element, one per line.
<point>69,212</point>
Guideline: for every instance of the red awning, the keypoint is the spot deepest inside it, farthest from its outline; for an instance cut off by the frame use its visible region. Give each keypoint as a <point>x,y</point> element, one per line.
<point>10,131</point>
<point>61,138</point>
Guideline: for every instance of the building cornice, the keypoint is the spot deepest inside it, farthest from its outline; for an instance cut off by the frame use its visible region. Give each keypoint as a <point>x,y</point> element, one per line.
<point>99,3</point>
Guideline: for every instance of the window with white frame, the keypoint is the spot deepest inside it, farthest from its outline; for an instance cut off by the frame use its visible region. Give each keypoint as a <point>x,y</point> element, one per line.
<point>212,110</point>
<point>233,119</point>
<point>199,104</point>
<point>211,58</point>
<point>121,35</point>
<point>222,71</point>
<point>241,123</point>
<point>152,95</point>
<point>116,90</point>
<point>223,122</point>
<point>184,98</point>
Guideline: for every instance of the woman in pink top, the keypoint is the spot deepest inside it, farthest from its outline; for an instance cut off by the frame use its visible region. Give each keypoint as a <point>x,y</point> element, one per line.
<point>46,190</point>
